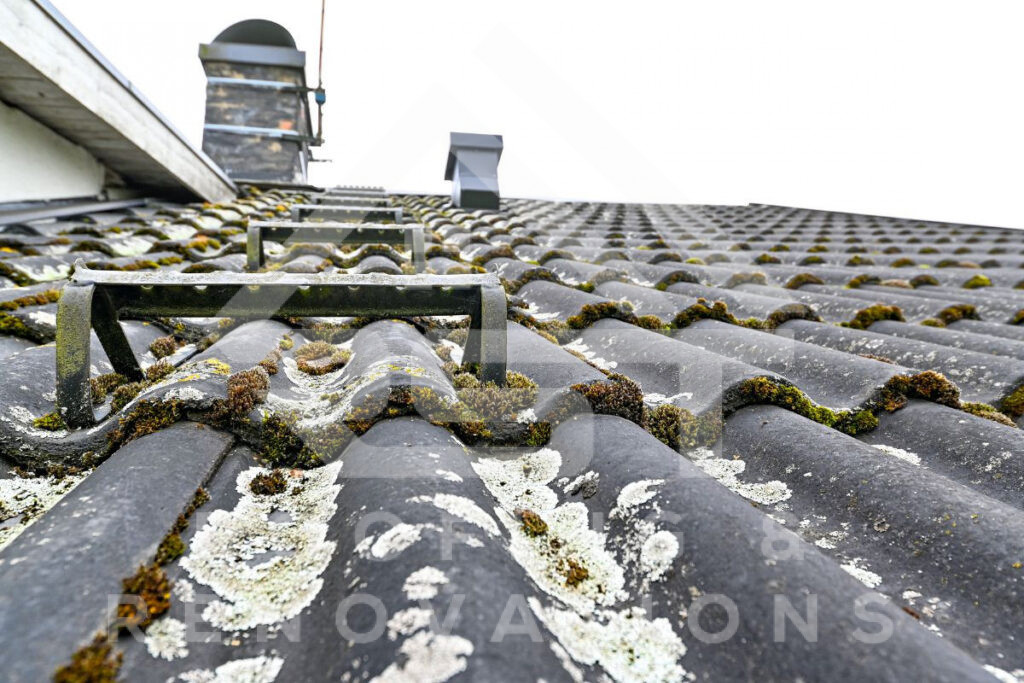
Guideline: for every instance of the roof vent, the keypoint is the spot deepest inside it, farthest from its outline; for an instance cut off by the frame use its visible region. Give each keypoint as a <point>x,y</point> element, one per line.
<point>258,125</point>
<point>473,169</point>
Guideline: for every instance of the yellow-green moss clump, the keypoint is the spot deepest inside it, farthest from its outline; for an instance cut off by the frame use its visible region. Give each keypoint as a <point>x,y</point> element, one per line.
<point>51,422</point>
<point>162,347</point>
<point>863,279</point>
<point>246,389</point>
<point>50,296</point>
<point>575,573</point>
<point>1013,405</point>
<point>704,310</point>
<point>146,418</point>
<point>591,313</point>
<point>798,281</point>
<point>872,314</point>
<point>320,357</point>
<point>104,384</point>
<point>532,524</point>
<point>988,412</point>
<point>765,390</point>
<point>951,314</point>
<point>158,371</point>
<point>269,483</point>
<point>977,281</point>
<point>151,591</point>
<point>766,258</point>
<point>172,546</point>
<point>93,663</point>
<point>1018,317</point>
<point>504,251</point>
<point>618,395</point>
<point>924,281</point>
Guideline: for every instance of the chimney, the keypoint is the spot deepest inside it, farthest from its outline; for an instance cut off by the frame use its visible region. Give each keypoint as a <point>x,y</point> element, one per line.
<point>473,169</point>
<point>258,124</point>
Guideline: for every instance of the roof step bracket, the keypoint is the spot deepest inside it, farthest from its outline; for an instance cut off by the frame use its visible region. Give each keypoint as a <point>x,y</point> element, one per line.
<point>333,233</point>
<point>98,299</point>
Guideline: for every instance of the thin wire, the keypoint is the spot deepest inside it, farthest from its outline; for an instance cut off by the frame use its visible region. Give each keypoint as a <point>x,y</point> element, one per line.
<point>320,64</point>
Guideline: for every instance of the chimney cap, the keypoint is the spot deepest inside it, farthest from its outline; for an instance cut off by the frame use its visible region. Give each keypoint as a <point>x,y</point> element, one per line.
<point>256,32</point>
<point>460,141</point>
<point>254,41</point>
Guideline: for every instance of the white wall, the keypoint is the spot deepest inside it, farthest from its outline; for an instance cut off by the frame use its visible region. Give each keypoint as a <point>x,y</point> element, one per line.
<point>36,163</point>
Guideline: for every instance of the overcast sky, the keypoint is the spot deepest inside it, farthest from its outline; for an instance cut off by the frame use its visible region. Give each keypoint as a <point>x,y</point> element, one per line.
<point>909,108</point>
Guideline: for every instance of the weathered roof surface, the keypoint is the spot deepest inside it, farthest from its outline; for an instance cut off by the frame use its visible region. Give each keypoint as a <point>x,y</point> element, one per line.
<point>741,442</point>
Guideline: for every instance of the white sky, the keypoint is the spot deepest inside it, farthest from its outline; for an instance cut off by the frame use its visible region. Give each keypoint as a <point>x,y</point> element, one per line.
<point>906,109</point>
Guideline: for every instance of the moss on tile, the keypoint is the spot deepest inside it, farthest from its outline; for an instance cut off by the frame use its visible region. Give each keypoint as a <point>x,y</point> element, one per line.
<point>865,317</point>
<point>96,662</point>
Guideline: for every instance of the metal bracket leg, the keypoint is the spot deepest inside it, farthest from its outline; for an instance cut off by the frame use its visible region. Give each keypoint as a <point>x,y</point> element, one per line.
<point>492,355</point>
<point>254,248</point>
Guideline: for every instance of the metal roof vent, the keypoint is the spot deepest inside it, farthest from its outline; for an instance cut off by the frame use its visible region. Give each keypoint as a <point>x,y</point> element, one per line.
<point>258,125</point>
<point>473,169</point>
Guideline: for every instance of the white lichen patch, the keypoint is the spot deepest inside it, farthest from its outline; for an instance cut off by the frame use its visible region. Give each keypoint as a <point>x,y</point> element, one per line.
<point>343,386</point>
<point>43,318</point>
<point>726,471</point>
<point>657,554</point>
<point>428,657</point>
<point>996,461</point>
<point>633,495</point>
<point>627,645</point>
<point>225,554</point>
<point>448,475</point>
<point>423,584</point>
<point>1003,676</point>
<point>905,456</point>
<point>396,539</point>
<point>588,630</point>
<point>22,501</point>
<point>857,570</point>
<point>522,483</point>
<point>408,621</point>
<point>184,591</point>
<point>461,507</point>
<point>587,480</point>
<point>655,399</point>
<point>165,639</point>
<point>578,346</point>
<point>262,669</point>
<point>21,420</point>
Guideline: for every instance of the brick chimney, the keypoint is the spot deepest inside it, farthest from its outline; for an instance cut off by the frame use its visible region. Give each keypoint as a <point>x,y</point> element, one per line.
<point>258,123</point>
